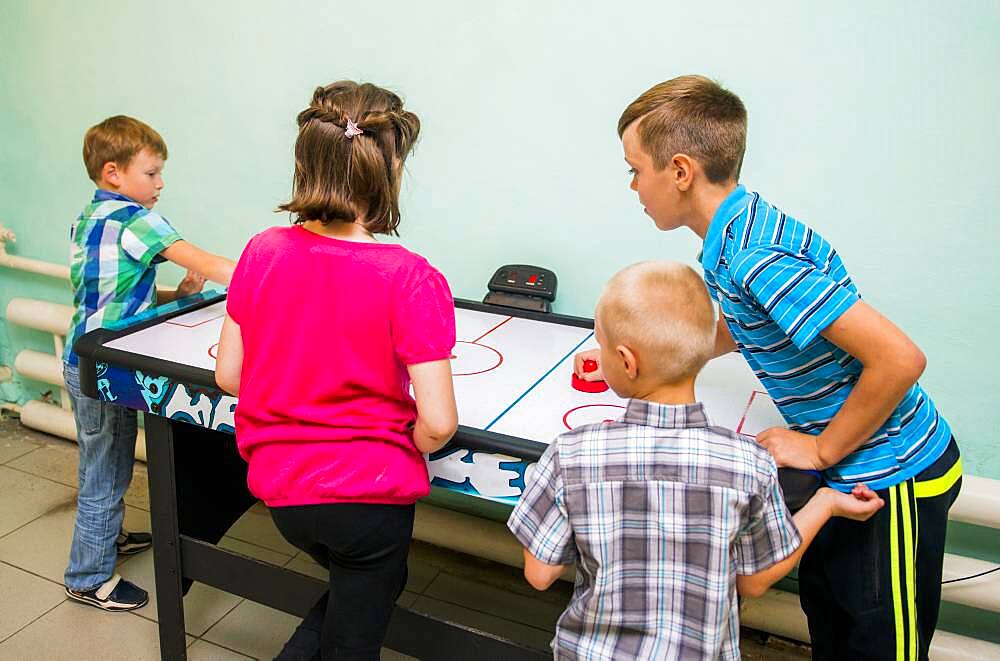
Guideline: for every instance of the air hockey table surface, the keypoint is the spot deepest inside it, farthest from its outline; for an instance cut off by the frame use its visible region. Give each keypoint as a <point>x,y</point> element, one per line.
<point>512,383</point>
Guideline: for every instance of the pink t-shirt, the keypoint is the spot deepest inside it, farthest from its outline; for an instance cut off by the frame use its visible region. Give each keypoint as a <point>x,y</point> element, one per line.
<point>329,326</point>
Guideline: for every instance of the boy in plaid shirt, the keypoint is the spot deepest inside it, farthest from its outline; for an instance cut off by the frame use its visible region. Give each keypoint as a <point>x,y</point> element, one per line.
<point>665,516</point>
<point>115,246</point>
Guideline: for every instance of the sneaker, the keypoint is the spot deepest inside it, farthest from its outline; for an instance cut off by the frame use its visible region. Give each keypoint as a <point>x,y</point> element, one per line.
<point>115,594</point>
<point>129,543</point>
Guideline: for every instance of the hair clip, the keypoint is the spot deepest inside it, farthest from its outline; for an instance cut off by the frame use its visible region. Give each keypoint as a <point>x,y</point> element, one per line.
<point>352,129</point>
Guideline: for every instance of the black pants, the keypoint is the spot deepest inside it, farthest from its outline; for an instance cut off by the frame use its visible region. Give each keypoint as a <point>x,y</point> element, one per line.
<point>365,547</point>
<point>872,589</point>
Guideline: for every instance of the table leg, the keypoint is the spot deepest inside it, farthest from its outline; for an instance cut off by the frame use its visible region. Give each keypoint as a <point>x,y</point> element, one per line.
<point>166,539</point>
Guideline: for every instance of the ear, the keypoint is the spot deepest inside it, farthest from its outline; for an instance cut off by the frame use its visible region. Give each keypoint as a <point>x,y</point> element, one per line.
<point>111,173</point>
<point>684,167</point>
<point>629,361</point>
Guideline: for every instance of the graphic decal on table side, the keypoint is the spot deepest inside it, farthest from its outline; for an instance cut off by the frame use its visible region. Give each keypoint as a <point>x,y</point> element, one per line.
<point>495,476</point>
<point>201,406</point>
<point>103,384</point>
<point>160,395</point>
<point>152,389</point>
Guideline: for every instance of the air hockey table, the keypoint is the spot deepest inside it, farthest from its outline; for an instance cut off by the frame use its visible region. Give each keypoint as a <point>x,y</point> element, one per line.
<point>511,371</point>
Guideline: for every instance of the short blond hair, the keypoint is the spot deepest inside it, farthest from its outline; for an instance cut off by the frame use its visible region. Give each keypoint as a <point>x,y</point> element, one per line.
<point>117,140</point>
<point>662,312</point>
<point>693,115</point>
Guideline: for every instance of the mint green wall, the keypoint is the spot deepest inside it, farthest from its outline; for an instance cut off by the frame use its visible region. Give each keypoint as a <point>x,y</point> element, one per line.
<point>886,109</point>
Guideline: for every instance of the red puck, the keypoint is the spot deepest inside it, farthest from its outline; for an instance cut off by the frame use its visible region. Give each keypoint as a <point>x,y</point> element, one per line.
<point>588,386</point>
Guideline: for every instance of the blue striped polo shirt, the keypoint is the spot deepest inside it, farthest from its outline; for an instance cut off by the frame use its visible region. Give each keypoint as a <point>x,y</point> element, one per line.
<point>779,284</point>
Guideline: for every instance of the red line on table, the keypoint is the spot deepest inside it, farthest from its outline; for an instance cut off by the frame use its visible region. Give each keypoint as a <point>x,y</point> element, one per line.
<point>746,412</point>
<point>174,323</point>
<point>492,329</point>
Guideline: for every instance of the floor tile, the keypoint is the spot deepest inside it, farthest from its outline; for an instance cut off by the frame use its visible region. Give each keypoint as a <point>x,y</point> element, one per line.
<point>255,551</point>
<point>257,528</point>
<point>489,573</point>
<point>420,573</point>
<point>202,650</point>
<point>254,630</point>
<point>484,571</point>
<point>137,519</point>
<point>303,564</point>
<point>203,605</point>
<point>501,603</point>
<point>25,598</point>
<point>42,546</point>
<point>138,491</point>
<point>756,646</point>
<point>56,461</point>
<point>407,598</point>
<point>16,440</point>
<point>260,632</point>
<point>78,631</point>
<point>26,497</point>
<point>463,615</point>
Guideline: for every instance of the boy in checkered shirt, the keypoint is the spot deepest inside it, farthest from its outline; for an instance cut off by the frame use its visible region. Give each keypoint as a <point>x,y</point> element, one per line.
<point>665,516</point>
<point>115,245</point>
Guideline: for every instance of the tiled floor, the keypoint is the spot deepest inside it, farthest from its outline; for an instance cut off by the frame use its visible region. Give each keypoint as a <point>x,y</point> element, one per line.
<point>37,506</point>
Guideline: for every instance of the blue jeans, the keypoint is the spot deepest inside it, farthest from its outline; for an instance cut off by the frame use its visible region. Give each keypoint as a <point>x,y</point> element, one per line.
<point>106,436</point>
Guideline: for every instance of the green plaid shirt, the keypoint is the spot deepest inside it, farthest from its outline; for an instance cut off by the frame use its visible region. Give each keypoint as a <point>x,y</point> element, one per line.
<point>115,246</point>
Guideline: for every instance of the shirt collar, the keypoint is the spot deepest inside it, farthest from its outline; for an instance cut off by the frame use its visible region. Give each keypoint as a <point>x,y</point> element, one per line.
<point>668,416</point>
<point>101,195</point>
<point>731,207</point>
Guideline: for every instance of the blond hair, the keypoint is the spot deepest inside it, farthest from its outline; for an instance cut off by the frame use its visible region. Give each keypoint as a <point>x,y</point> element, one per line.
<point>117,140</point>
<point>341,175</point>
<point>662,312</point>
<point>695,116</point>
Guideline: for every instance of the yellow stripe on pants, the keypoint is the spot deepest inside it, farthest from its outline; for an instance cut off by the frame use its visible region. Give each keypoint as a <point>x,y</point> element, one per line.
<point>939,485</point>
<point>909,557</point>
<point>897,593</point>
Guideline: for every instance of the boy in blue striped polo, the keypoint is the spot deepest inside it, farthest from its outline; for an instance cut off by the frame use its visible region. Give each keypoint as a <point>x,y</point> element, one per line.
<point>115,246</point>
<point>842,375</point>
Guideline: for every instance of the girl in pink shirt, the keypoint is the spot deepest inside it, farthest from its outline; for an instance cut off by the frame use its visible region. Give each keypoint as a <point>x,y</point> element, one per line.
<point>326,330</point>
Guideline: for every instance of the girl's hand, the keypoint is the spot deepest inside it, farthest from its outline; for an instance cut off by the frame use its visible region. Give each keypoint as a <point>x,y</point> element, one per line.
<point>591,354</point>
<point>191,284</point>
<point>792,449</point>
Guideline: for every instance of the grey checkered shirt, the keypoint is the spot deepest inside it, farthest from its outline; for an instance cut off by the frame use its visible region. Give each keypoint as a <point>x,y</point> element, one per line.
<point>660,511</point>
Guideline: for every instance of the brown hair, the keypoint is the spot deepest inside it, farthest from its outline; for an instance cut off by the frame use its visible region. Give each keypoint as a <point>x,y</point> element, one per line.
<point>117,140</point>
<point>662,311</point>
<point>692,115</point>
<point>338,178</point>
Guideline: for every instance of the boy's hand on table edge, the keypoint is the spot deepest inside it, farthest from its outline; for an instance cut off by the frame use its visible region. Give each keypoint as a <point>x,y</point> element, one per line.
<point>191,284</point>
